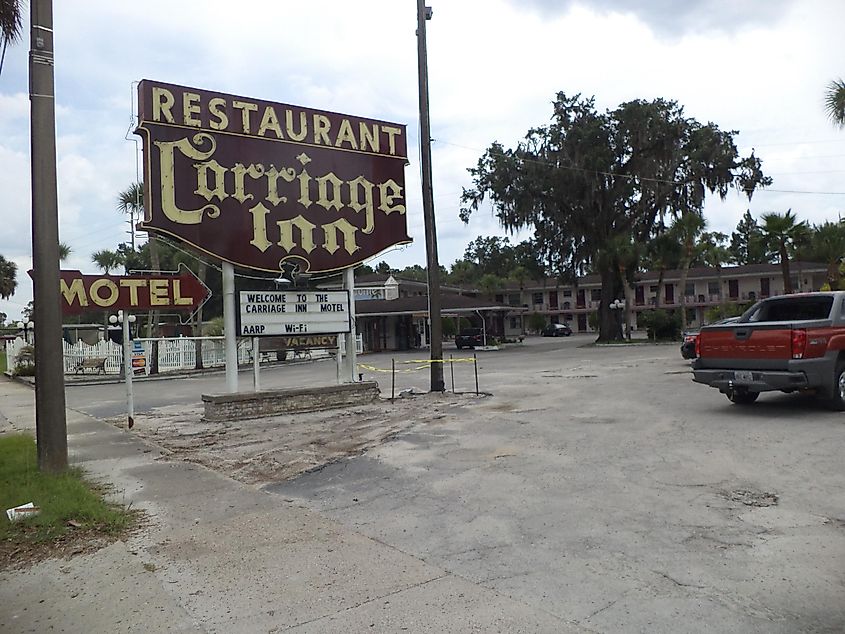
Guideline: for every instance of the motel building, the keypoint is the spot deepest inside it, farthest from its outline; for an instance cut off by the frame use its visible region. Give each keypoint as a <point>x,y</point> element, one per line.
<point>392,312</point>
<point>705,288</point>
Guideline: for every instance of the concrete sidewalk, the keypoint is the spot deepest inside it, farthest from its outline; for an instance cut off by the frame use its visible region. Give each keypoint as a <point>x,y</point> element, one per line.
<point>220,556</point>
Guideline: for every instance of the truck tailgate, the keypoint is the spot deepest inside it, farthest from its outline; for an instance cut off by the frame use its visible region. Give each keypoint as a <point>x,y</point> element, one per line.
<point>768,341</point>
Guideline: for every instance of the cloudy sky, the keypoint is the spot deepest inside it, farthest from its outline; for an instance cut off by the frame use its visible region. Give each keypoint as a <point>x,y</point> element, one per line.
<point>757,66</point>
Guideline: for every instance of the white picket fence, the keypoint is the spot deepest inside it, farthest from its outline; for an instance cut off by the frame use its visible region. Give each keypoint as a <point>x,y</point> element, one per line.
<point>174,354</point>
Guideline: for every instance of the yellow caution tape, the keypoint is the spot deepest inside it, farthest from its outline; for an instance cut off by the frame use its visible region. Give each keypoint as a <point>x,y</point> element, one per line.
<point>426,364</point>
<point>460,360</point>
<point>374,369</point>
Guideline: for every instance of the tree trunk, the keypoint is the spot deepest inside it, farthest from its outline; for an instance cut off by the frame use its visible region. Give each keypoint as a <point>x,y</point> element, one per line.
<point>155,261</point>
<point>610,327</point>
<point>833,275</point>
<point>784,267</point>
<point>660,283</point>
<point>683,285</point>
<point>629,307</point>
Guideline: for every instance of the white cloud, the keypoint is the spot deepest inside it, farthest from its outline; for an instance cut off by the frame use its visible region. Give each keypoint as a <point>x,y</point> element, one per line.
<point>494,69</point>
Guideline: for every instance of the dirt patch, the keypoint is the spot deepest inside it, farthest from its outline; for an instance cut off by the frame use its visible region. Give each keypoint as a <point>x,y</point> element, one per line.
<point>266,450</point>
<point>20,554</point>
<point>753,498</point>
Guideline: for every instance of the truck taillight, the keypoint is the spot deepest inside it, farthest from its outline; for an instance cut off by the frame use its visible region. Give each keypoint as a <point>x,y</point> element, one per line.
<point>799,343</point>
<point>698,345</point>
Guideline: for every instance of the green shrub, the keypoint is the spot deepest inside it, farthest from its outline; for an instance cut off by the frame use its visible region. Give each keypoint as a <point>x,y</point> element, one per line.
<point>213,328</point>
<point>25,362</point>
<point>731,309</point>
<point>536,322</point>
<point>660,324</point>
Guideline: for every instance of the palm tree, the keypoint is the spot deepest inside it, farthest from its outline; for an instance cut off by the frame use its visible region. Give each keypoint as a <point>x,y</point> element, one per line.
<point>686,229</point>
<point>10,25</point>
<point>783,235</point>
<point>131,201</point>
<point>715,254</point>
<point>8,278</point>
<point>106,260</point>
<point>662,253</point>
<point>64,251</point>
<point>827,244</point>
<point>834,101</point>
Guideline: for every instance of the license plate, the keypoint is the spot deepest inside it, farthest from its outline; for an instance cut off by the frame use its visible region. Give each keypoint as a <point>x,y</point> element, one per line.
<point>743,375</point>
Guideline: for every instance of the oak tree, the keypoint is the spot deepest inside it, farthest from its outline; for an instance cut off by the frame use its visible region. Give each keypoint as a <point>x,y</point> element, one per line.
<point>591,180</point>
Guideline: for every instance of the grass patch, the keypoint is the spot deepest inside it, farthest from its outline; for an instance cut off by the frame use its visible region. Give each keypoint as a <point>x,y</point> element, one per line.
<point>3,365</point>
<point>70,506</point>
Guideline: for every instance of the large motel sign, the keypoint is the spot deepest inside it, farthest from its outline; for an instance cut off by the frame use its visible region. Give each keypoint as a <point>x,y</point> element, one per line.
<point>267,185</point>
<point>257,183</point>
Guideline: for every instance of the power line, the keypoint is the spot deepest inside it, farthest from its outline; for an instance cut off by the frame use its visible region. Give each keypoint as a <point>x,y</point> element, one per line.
<point>644,178</point>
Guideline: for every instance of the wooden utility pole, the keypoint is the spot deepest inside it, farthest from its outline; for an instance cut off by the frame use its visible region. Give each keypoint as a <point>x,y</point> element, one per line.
<point>50,418</point>
<point>432,264</point>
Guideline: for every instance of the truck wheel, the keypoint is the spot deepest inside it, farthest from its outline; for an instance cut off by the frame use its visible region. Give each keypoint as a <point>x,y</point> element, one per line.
<point>837,398</point>
<point>742,397</point>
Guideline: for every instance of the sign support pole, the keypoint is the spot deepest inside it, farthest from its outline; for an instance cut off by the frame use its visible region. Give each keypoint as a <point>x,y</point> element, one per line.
<point>339,358</point>
<point>230,340</point>
<point>351,352</point>
<point>128,371</point>
<point>256,362</point>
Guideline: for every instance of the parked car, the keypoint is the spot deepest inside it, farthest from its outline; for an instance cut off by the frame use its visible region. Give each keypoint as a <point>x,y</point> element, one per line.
<point>469,338</point>
<point>557,330</point>
<point>688,345</point>
<point>691,339</point>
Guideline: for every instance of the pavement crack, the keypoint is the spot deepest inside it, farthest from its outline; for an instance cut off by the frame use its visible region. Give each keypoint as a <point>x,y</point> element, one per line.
<point>600,610</point>
<point>368,601</point>
<point>678,583</point>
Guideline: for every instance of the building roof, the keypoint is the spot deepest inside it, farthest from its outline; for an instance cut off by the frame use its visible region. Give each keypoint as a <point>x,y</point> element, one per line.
<point>674,275</point>
<point>379,279</point>
<point>419,304</point>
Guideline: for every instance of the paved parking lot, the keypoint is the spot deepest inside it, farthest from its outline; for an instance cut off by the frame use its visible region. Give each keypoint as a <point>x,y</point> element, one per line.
<point>597,484</point>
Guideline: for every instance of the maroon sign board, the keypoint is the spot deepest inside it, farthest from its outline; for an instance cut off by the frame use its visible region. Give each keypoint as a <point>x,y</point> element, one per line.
<point>174,291</point>
<point>262,184</point>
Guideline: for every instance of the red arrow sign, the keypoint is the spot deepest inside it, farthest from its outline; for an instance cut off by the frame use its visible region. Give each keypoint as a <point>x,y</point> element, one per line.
<point>182,290</point>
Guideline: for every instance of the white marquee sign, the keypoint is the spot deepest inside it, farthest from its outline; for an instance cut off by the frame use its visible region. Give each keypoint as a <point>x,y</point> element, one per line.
<point>292,312</point>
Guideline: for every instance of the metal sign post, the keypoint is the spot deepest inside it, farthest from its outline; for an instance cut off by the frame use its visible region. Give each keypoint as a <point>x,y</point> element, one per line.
<point>125,319</point>
<point>256,365</point>
<point>230,340</point>
<point>351,352</point>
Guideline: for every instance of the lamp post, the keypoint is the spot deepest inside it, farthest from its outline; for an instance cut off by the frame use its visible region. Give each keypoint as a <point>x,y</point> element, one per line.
<point>26,326</point>
<point>619,304</point>
<point>125,320</point>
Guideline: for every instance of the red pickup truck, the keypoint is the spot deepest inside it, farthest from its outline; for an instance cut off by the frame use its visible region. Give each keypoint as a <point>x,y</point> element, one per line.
<point>788,343</point>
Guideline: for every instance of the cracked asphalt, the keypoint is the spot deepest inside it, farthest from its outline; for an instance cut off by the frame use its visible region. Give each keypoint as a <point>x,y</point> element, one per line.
<point>602,486</point>
<point>596,485</point>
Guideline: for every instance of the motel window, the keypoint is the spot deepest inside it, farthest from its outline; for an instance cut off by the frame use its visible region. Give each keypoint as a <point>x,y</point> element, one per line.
<point>537,298</point>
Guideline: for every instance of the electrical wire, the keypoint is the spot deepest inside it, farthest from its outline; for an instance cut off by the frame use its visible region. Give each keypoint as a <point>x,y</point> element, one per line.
<point>643,178</point>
